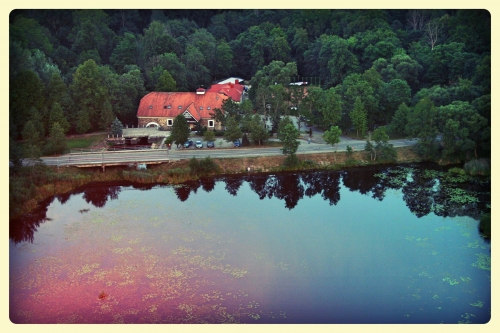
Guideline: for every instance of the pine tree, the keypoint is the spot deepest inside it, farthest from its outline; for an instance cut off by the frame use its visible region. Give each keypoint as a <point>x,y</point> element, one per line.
<point>180,130</point>
<point>117,127</point>
<point>57,141</point>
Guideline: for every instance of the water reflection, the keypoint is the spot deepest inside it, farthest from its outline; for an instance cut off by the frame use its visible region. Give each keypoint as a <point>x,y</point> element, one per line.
<point>98,195</point>
<point>424,191</point>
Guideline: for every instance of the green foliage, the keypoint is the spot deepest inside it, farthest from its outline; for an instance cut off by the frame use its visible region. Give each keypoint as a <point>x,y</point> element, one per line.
<point>34,143</point>
<point>358,117</point>
<point>82,122</point>
<point>180,130</point>
<point>166,82</point>
<point>25,92</point>
<point>422,124</point>
<point>233,131</point>
<point>15,154</point>
<point>258,132</point>
<point>376,55</point>
<point>463,130</point>
<point>382,149</point>
<point>57,141</point>
<point>209,135</point>
<point>370,148</point>
<point>269,92</point>
<point>288,134</point>
<point>228,109</point>
<point>291,161</point>
<point>399,120</point>
<point>116,127</point>
<point>485,225</point>
<point>205,166</point>
<point>30,34</point>
<point>458,171</point>
<point>350,151</point>
<point>57,116</point>
<point>124,52</point>
<point>478,167</point>
<point>332,136</point>
<point>91,95</point>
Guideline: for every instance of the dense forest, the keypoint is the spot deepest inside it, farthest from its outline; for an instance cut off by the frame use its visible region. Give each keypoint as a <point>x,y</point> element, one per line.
<point>419,73</point>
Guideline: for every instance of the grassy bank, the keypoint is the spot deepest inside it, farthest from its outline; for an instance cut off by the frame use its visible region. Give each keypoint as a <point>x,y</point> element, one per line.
<point>32,185</point>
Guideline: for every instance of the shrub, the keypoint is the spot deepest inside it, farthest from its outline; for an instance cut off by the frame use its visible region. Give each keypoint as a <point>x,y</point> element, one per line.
<point>219,133</point>
<point>456,170</point>
<point>478,167</point>
<point>204,166</point>
<point>291,161</point>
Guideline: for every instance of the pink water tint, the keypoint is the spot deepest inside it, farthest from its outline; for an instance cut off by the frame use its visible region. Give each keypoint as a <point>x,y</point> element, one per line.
<point>153,269</point>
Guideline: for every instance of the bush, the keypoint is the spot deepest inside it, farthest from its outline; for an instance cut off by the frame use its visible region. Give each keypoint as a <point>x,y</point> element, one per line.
<point>291,161</point>
<point>388,153</point>
<point>219,133</point>
<point>204,166</point>
<point>478,167</point>
<point>457,171</point>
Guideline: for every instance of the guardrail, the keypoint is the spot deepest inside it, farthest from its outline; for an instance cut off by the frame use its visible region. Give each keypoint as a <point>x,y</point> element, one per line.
<point>114,149</point>
<point>106,159</point>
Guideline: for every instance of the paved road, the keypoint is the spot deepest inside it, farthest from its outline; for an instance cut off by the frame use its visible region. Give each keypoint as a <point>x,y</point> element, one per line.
<point>223,150</point>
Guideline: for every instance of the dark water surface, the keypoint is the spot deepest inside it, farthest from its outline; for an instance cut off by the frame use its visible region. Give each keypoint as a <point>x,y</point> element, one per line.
<point>372,245</point>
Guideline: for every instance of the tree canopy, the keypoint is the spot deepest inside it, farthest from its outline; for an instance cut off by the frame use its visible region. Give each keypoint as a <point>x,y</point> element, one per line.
<point>98,64</point>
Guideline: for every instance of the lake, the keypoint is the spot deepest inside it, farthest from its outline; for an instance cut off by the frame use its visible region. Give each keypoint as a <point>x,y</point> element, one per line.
<point>387,244</point>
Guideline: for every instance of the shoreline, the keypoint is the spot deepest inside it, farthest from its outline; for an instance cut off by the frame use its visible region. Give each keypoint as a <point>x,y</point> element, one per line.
<point>51,181</point>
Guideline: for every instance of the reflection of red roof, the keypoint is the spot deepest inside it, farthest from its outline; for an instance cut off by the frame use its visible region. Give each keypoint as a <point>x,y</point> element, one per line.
<point>171,104</point>
<point>233,90</point>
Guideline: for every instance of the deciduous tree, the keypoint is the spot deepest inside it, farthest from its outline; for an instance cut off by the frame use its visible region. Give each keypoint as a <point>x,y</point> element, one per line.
<point>233,131</point>
<point>332,136</point>
<point>166,82</point>
<point>56,144</point>
<point>288,135</point>
<point>258,131</point>
<point>358,117</point>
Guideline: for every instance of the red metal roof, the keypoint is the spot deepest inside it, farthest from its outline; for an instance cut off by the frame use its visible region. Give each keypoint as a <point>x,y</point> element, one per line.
<point>233,90</point>
<point>171,104</point>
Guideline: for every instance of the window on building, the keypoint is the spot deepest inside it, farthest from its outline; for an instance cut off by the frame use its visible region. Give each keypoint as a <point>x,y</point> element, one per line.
<point>210,123</point>
<point>201,107</point>
<point>170,122</point>
<point>150,106</point>
<point>169,106</point>
<point>180,107</point>
<point>208,107</point>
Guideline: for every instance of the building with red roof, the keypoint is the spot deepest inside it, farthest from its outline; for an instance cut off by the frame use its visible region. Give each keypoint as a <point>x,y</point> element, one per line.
<point>160,108</point>
<point>233,90</point>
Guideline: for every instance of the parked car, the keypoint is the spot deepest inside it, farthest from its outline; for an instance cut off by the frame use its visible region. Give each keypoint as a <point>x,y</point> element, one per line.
<point>236,143</point>
<point>210,144</point>
<point>188,144</point>
<point>198,144</point>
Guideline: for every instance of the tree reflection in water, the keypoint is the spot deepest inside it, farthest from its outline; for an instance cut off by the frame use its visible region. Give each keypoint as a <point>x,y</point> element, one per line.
<point>233,184</point>
<point>424,190</point>
<point>98,195</point>
<point>207,184</point>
